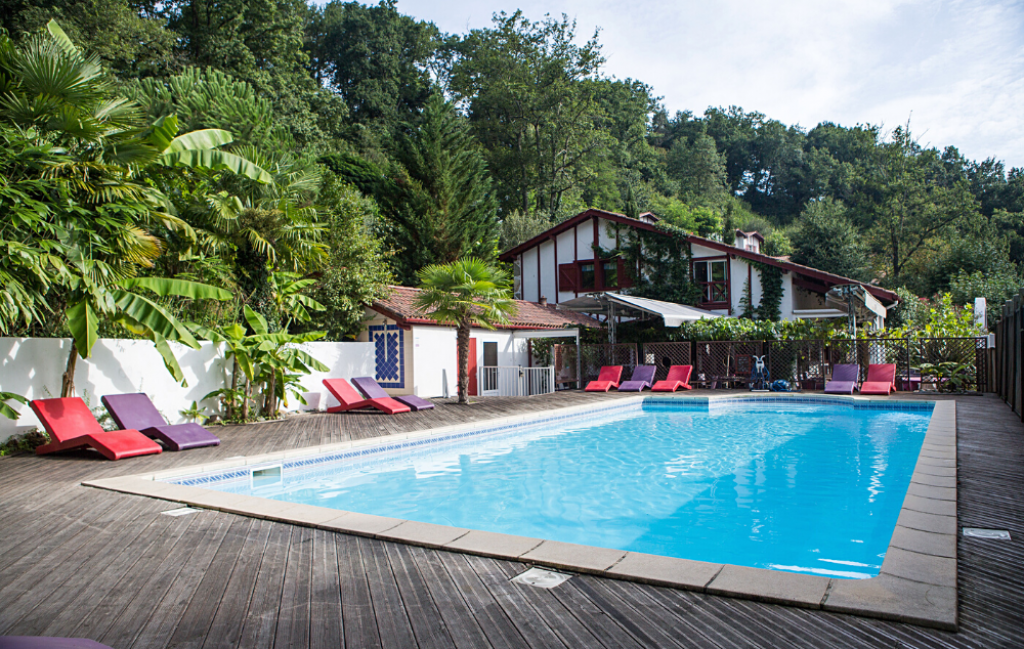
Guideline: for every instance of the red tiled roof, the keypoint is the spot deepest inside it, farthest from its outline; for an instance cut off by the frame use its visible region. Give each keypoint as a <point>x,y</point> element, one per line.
<point>400,305</point>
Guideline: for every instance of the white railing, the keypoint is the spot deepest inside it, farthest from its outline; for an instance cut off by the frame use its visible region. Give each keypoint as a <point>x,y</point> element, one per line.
<point>515,381</point>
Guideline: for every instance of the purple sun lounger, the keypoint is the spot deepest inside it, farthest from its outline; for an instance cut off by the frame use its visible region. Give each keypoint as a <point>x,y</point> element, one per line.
<point>643,377</point>
<point>138,412</point>
<point>844,379</point>
<point>372,390</point>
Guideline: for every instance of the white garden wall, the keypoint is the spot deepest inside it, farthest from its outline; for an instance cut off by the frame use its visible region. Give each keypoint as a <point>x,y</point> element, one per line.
<point>32,367</point>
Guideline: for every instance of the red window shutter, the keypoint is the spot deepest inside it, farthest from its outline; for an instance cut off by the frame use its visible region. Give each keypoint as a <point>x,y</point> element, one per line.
<point>626,274</point>
<point>567,277</point>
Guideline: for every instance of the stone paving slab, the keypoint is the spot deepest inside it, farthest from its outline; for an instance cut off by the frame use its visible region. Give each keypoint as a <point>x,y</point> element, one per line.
<point>898,599</point>
<point>492,544</point>
<point>666,571</point>
<point>773,586</point>
<point>570,556</point>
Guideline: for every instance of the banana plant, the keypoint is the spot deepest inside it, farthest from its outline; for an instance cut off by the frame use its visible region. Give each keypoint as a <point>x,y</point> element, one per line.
<point>123,304</point>
<point>286,289</point>
<point>268,362</point>
<point>5,409</point>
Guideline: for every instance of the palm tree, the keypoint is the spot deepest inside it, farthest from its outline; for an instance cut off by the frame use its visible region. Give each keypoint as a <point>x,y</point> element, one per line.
<point>468,292</point>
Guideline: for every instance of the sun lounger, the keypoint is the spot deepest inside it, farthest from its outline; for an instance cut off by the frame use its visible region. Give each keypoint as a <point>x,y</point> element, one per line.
<point>608,378</point>
<point>372,390</point>
<point>844,379</point>
<point>71,425</point>
<point>881,380</point>
<point>643,377</point>
<point>678,378</point>
<point>352,400</point>
<point>138,412</point>
<point>41,642</point>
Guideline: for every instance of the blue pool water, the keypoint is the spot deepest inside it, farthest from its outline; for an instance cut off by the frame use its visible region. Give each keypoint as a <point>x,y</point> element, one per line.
<point>804,487</point>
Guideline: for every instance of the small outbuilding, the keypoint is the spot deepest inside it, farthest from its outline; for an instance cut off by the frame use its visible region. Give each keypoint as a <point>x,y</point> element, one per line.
<point>416,354</point>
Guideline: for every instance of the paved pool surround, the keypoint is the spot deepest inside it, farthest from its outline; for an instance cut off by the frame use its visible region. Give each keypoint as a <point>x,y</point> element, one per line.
<point>916,584</point>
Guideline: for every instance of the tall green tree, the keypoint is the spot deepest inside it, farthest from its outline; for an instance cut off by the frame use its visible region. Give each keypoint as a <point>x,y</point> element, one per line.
<point>532,93</point>
<point>451,212</point>
<point>469,292</point>
<point>375,58</point>
<point>824,238</point>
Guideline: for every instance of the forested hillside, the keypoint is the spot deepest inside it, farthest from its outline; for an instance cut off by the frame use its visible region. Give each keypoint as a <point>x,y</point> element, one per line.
<point>393,145</point>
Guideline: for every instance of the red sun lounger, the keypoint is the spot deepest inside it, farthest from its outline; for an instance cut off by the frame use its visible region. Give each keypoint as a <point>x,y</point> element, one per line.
<point>138,412</point>
<point>372,390</point>
<point>71,425</point>
<point>607,379</point>
<point>844,379</point>
<point>643,377</point>
<point>678,378</point>
<point>352,400</point>
<point>881,380</point>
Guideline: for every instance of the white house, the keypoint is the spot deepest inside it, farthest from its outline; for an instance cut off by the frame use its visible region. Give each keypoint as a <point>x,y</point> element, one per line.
<point>559,265</point>
<point>416,354</point>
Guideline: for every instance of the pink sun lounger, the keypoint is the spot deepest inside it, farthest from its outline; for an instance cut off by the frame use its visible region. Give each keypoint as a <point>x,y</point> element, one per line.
<point>608,378</point>
<point>352,400</point>
<point>678,379</point>
<point>881,380</point>
<point>71,425</point>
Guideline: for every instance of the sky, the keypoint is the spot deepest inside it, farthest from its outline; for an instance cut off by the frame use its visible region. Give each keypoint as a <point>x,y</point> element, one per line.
<point>954,69</point>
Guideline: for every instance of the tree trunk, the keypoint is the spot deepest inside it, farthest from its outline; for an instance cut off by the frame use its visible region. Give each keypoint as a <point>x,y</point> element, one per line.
<point>463,340</point>
<point>231,403</point>
<point>67,383</point>
<point>269,403</point>
<point>245,400</point>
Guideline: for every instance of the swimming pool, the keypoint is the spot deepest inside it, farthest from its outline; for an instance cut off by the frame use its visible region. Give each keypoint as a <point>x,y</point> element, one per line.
<point>811,486</point>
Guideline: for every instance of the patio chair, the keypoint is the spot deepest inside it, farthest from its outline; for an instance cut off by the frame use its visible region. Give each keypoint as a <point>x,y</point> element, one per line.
<point>372,390</point>
<point>881,380</point>
<point>138,412</point>
<point>844,379</point>
<point>71,425</point>
<point>608,378</point>
<point>352,400</point>
<point>678,378</point>
<point>643,377</point>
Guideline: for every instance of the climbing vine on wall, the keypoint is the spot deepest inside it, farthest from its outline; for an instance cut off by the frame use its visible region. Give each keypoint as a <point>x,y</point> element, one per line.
<point>770,306</point>
<point>746,301</point>
<point>664,263</point>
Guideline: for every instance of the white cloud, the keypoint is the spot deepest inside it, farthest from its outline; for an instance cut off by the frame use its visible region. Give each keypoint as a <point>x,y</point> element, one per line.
<point>956,68</point>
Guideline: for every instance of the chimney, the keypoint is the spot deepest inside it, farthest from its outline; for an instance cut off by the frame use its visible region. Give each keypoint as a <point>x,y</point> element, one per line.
<point>543,301</point>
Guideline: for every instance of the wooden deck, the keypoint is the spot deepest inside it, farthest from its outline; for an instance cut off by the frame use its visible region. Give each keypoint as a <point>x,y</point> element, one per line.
<point>82,562</point>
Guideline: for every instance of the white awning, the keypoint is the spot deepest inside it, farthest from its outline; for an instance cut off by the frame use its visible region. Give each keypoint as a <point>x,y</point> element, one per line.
<point>836,298</point>
<point>602,304</point>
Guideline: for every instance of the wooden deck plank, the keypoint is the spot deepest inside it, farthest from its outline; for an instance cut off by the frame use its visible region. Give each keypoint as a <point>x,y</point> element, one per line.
<point>260,624</point>
<point>393,625</point>
<point>325,616</point>
<point>226,626</point>
<point>356,605</point>
<point>293,620</point>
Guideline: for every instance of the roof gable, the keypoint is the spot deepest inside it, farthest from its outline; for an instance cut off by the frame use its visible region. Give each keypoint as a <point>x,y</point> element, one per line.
<point>568,224</point>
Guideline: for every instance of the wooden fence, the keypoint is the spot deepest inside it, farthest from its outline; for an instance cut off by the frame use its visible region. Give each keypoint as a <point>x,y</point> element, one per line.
<point>1009,361</point>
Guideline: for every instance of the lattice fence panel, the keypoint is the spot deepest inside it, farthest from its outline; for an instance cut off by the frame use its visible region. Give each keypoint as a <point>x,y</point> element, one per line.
<point>725,361</point>
<point>593,357</point>
<point>798,361</point>
<point>967,356</point>
<point>665,355</point>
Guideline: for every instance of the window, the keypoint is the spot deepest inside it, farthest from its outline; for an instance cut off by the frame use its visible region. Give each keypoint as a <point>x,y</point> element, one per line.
<point>611,273</point>
<point>587,276</point>
<point>712,275</point>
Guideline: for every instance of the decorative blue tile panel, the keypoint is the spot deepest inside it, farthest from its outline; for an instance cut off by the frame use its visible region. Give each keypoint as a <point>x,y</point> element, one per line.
<point>389,348</point>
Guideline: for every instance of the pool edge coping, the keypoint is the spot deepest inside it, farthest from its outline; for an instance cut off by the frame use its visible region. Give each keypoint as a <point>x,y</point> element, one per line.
<point>925,535</point>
